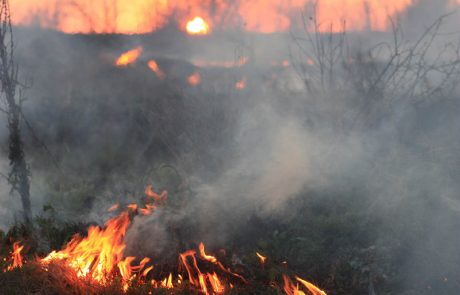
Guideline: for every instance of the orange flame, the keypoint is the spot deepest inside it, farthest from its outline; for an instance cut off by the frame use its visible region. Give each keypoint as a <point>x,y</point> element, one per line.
<point>261,258</point>
<point>291,289</point>
<point>129,57</point>
<point>156,197</point>
<point>196,277</point>
<point>167,282</point>
<point>214,260</point>
<point>156,69</point>
<point>143,16</point>
<point>197,26</point>
<point>114,207</point>
<point>99,257</point>
<point>203,254</point>
<point>312,288</point>
<point>194,79</point>
<point>16,256</point>
<point>240,84</point>
<point>216,284</point>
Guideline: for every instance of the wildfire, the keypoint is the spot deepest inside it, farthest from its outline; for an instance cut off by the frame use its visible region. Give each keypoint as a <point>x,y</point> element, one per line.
<point>156,69</point>
<point>222,64</point>
<point>16,256</point>
<point>97,255</point>
<point>143,16</point>
<point>261,258</point>
<point>99,258</point>
<point>197,26</point>
<point>113,208</point>
<point>194,79</point>
<point>240,84</point>
<point>129,57</point>
<point>293,289</point>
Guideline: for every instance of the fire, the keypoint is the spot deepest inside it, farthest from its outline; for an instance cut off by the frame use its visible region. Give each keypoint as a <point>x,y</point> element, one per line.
<point>194,79</point>
<point>100,254</point>
<point>197,26</point>
<point>240,84</point>
<point>293,289</point>
<point>156,197</point>
<point>143,16</point>
<point>129,57</point>
<point>208,283</point>
<point>203,254</point>
<point>98,258</point>
<point>156,69</point>
<point>261,258</point>
<point>221,64</point>
<point>167,282</point>
<point>97,255</point>
<point>114,207</point>
<point>16,256</point>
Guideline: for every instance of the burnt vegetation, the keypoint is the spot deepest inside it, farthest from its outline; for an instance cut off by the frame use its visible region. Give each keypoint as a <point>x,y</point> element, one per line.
<point>384,224</point>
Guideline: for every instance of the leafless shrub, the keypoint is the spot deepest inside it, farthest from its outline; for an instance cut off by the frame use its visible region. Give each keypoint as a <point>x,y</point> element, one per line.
<point>378,78</point>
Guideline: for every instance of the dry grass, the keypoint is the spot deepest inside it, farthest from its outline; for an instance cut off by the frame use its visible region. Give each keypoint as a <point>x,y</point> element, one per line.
<point>57,279</point>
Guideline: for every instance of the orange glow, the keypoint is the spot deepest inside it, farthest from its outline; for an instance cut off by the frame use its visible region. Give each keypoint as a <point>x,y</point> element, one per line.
<point>156,69</point>
<point>221,64</point>
<point>358,14</point>
<point>293,289</point>
<point>197,26</point>
<point>132,207</point>
<point>114,207</point>
<point>16,256</point>
<point>143,16</point>
<point>194,79</point>
<point>128,57</point>
<point>156,197</point>
<point>240,84</point>
<point>261,258</point>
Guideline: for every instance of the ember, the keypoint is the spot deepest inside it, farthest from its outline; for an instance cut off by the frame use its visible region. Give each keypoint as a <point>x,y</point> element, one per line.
<point>156,69</point>
<point>128,57</point>
<point>194,79</point>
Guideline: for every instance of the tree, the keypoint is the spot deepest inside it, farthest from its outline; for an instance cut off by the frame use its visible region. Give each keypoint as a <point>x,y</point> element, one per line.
<point>19,174</point>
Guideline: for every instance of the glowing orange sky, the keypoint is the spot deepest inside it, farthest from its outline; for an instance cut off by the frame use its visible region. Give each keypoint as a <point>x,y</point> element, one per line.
<point>140,16</point>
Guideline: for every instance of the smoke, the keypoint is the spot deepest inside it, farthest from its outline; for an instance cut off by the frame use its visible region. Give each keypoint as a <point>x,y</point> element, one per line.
<point>226,155</point>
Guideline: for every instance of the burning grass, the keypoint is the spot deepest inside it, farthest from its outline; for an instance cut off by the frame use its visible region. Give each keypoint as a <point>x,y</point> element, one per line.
<point>61,279</point>
<point>58,277</point>
<point>96,264</point>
